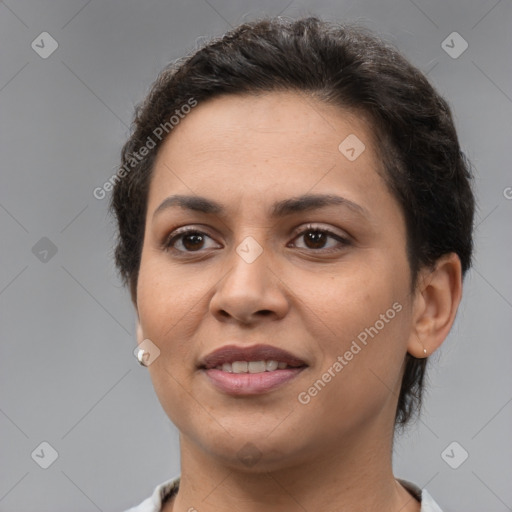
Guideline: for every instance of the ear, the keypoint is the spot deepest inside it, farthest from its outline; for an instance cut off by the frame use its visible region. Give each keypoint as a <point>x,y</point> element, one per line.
<point>437,298</point>
<point>140,334</point>
<point>138,326</point>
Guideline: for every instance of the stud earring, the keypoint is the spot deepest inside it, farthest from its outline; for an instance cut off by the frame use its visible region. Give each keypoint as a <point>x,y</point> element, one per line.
<point>142,356</point>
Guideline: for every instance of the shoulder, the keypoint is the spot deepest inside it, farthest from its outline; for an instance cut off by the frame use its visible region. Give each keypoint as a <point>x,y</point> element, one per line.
<point>161,494</point>
<point>428,503</point>
<point>167,489</point>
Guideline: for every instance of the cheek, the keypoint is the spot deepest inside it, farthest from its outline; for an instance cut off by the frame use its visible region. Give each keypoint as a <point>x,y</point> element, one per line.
<point>167,315</point>
<point>347,300</point>
<point>358,381</point>
<point>361,317</point>
<point>165,300</point>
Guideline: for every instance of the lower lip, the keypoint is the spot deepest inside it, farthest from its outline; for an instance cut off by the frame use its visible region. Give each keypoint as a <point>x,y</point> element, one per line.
<point>250,383</point>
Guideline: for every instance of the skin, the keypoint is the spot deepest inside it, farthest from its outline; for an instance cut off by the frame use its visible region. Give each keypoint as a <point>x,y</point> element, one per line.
<point>334,453</point>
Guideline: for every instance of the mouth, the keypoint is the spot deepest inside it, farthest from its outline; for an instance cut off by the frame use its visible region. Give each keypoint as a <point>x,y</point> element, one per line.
<point>250,370</point>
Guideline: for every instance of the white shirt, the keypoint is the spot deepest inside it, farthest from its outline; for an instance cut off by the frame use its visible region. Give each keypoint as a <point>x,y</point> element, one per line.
<point>167,489</point>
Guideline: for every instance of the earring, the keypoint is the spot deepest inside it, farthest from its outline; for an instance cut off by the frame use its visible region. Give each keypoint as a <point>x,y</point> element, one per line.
<point>142,355</point>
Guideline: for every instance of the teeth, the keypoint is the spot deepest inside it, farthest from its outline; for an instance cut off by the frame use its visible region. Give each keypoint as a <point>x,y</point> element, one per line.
<point>271,366</point>
<point>226,367</point>
<point>252,366</point>
<point>239,366</point>
<point>257,366</point>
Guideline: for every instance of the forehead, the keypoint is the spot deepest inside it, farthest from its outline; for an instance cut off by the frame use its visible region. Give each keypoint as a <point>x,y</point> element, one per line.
<point>270,145</point>
<point>262,122</point>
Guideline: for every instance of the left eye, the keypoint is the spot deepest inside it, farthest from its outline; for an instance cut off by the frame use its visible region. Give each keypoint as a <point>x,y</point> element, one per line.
<point>317,238</point>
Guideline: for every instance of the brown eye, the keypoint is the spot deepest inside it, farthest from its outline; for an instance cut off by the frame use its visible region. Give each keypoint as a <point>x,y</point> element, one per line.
<point>188,240</point>
<point>315,239</point>
<point>319,239</point>
<point>192,241</point>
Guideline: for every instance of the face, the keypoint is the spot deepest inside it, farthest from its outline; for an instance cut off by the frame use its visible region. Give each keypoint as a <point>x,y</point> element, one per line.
<point>297,245</point>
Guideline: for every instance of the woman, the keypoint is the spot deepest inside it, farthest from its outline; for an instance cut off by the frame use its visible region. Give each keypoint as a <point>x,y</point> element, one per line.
<point>295,219</point>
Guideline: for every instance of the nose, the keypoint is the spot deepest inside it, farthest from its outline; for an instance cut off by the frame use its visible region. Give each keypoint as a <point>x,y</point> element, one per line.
<point>250,292</point>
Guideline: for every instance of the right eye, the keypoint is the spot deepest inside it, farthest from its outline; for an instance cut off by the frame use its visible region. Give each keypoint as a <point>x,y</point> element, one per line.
<point>187,240</point>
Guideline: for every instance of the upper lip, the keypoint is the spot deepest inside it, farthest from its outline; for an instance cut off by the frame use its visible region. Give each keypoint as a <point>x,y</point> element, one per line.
<point>231,353</point>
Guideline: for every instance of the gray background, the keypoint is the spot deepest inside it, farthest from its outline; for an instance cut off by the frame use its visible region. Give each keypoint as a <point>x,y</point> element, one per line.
<point>68,375</point>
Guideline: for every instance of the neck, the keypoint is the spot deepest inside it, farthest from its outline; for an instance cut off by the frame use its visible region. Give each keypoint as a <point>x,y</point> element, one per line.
<point>355,476</point>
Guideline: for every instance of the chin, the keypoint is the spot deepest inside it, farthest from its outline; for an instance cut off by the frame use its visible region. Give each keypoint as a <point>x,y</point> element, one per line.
<point>252,448</point>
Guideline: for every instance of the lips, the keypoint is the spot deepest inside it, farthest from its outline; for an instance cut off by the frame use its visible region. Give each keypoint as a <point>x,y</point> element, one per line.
<point>232,353</point>
<point>246,371</point>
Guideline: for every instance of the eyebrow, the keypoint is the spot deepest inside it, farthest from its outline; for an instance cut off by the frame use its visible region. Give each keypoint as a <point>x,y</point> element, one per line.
<point>303,203</point>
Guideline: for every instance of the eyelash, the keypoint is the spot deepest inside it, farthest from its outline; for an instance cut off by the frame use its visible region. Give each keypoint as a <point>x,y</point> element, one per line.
<point>179,234</point>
